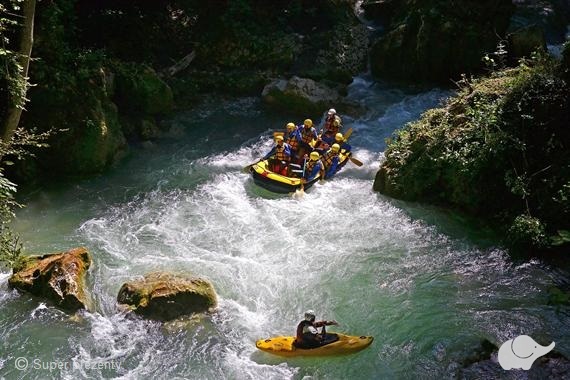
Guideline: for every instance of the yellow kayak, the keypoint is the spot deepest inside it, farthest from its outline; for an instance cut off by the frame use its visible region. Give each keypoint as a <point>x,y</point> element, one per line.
<point>283,346</point>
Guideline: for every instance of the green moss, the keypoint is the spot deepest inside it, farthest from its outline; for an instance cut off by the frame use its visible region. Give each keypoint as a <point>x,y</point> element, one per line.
<point>165,296</point>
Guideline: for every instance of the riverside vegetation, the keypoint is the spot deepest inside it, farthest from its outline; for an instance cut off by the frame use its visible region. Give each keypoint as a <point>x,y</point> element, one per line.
<point>498,149</point>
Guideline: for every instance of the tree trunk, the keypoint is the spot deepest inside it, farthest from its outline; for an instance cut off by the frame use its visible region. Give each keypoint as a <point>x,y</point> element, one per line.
<point>10,124</point>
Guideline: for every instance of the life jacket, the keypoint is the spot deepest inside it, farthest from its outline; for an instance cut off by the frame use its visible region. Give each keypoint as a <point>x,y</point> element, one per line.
<point>310,166</point>
<point>328,158</point>
<point>330,128</point>
<point>292,140</point>
<point>307,135</point>
<point>281,153</point>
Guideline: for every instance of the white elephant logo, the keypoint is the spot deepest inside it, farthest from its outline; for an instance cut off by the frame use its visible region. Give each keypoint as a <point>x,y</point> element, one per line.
<point>521,352</point>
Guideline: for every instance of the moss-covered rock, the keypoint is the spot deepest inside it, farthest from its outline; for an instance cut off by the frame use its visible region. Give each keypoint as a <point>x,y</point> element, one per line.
<point>88,135</point>
<point>305,97</point>
<point>165,296</point>
<point>140,90</point>
<point>499,149</point>
<point>300,96</point>
<point>437,40</point>
<point>58,277</point>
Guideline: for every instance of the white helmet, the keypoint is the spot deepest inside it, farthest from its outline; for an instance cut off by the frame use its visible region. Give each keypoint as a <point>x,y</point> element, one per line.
<point>332,111</point>
<point>309,315</point>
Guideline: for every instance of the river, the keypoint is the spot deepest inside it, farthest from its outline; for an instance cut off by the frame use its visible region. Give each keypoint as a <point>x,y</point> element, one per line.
<point>428,284</point>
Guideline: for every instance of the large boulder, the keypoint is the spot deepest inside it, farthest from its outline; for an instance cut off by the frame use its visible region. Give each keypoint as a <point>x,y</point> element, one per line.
<point>88,136</point>
<point>436,40</point>
<point>300,96</point>
<point>166,296</point>
<point>140,90</point>
<point>58,277</point>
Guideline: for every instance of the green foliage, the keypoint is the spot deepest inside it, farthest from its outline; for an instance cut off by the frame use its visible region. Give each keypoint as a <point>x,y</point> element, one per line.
<point>13,84</point>
<point>498,59</point>
<point>499,149</point>
<point>525,232</point>
<point>20,146</point>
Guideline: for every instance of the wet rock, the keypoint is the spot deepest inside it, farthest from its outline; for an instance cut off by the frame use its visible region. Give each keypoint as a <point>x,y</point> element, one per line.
<point>58,277</point>
<point>480,353</point>
<point>552,366</point>
<point>304,97</point>
<point>165,296</point>
<point>89,134</point>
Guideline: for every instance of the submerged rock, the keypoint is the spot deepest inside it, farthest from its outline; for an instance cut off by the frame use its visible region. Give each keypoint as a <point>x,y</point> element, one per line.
<point>484,364</point>
<point>58,277</point>
<point>166,296</point>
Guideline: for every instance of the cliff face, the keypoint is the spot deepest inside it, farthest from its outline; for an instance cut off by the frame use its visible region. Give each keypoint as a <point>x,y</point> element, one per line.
<point>499,149</point>
<point>434,40</point>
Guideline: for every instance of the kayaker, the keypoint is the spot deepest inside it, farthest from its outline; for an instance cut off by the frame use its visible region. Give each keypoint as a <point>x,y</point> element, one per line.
<point>279,157</point>
<point>313,167</point>
<point>293,139</point>
<point>332,126</point>
<point>308,133</point>
<point>344,146</point>
<point>331,160</point>
<point>307,334</point>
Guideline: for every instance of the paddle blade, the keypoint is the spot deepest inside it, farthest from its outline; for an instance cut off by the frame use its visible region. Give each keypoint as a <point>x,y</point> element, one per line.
<point>299,193</point>
<point>347,134</point>
<point>355,161</point>
<point>247,169</point>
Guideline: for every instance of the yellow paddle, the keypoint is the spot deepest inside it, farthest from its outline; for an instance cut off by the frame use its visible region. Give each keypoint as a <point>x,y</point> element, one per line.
<point>355,161</point>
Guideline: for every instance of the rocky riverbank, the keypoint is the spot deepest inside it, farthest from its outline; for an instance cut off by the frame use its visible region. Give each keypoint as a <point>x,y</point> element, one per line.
<point>499,150</point>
